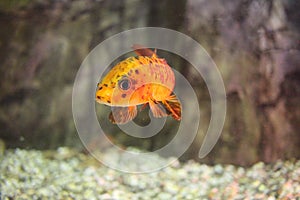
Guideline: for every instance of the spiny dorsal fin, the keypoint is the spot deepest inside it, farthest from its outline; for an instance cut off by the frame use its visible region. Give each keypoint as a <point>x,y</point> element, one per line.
<point>143,51</point>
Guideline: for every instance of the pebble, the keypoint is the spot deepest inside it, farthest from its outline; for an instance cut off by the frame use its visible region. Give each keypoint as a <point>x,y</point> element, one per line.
<point>30,174</point>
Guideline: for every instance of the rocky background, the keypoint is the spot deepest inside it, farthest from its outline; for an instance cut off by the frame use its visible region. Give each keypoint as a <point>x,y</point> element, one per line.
<point>255,44</point>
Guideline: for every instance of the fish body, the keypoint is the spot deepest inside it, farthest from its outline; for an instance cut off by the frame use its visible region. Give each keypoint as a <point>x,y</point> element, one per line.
<point>142,80</point>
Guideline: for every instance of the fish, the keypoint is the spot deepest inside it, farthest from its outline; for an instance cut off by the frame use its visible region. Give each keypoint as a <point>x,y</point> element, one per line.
<point>144,80</point>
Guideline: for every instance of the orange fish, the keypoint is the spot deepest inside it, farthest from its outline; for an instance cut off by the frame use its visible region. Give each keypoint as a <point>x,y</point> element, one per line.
<point>142,80</point>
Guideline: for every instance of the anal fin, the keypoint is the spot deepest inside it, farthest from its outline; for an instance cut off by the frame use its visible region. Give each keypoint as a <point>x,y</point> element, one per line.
<point>173,106</point>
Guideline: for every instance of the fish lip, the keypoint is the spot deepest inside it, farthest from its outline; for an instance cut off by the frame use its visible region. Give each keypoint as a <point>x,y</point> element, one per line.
<point>102,102</point>
<point>116,105</point>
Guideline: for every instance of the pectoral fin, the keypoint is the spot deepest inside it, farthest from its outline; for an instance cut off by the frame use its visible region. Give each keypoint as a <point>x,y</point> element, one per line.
<point>157,109</point>
<point>143,106</point>
<point>122,115</point>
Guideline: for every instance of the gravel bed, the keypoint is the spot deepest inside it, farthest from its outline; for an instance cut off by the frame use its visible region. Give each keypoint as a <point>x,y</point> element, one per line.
<point>67,174</point>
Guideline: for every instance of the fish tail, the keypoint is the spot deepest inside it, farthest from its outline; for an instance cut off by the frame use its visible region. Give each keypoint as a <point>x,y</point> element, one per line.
<point>173,106</point>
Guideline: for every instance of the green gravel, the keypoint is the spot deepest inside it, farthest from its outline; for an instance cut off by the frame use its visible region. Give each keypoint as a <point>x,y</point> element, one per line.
<point>67,174</point>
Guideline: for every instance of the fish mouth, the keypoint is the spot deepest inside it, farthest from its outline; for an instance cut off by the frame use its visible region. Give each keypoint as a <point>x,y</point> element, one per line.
<point>103,100</point>
<point>103,97</point>
<point>100,98</point>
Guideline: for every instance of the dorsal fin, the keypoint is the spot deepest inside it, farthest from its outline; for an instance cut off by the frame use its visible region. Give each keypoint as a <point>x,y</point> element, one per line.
<point>143,51</point>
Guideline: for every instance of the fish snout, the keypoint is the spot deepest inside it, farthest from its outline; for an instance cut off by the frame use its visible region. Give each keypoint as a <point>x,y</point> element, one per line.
<point>103,96</point>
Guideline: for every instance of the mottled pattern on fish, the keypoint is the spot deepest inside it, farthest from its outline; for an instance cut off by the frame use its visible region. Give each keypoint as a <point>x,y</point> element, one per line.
<point>139,80</point>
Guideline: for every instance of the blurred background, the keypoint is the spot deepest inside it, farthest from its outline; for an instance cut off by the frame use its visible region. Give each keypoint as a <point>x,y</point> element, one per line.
<point>255,44</point>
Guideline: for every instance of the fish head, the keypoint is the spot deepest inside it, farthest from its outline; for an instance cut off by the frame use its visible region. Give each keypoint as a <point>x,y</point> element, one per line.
<point>116,89</point>
<point>118,94</point>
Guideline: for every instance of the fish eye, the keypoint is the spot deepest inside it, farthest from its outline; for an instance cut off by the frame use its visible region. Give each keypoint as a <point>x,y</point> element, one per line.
<point>124,84</point>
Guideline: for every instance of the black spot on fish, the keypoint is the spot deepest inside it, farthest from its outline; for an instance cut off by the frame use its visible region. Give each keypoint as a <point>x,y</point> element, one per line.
<point>108,101</point>
<point>137,71</point>
<point>123,95</point>
<point>98,97</point>
<point>105,85</point>
<point>100,88</point>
